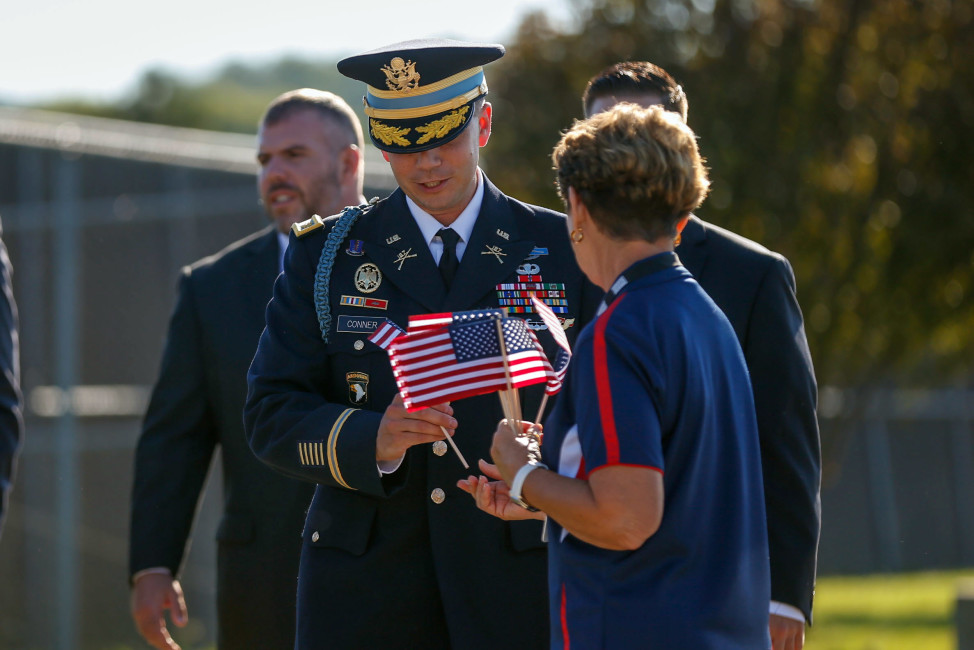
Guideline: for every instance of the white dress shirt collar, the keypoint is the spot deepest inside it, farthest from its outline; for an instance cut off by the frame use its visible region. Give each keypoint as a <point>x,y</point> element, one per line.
<point>463,225</point>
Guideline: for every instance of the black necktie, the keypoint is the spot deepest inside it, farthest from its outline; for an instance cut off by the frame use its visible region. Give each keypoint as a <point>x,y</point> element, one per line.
<point>449,261</point>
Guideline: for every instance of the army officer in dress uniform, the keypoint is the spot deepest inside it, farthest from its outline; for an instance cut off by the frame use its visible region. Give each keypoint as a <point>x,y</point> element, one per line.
<point>395,555</point>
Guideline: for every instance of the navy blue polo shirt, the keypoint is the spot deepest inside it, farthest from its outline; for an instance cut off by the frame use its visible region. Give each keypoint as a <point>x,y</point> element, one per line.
<point>658,380</point>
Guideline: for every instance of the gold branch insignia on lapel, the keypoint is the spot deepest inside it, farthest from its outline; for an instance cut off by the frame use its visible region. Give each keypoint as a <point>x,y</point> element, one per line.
<point>403,256</point>
<point>495,251</point>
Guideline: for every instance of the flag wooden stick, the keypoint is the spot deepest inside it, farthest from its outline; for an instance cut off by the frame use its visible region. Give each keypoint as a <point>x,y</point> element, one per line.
<point>506,405</point>
<point>544,402</point>
<point>512,409</point>
<point>449,439</point>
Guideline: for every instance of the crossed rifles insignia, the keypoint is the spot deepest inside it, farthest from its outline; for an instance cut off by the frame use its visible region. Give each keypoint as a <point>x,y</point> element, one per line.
<point>495,251</point>
<point>403,256</point>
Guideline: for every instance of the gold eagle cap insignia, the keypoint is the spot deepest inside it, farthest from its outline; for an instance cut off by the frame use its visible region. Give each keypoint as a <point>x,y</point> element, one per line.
<point>401,75</point>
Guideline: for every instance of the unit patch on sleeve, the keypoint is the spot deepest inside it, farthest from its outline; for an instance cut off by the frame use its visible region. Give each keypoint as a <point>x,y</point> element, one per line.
<point>358,387</point>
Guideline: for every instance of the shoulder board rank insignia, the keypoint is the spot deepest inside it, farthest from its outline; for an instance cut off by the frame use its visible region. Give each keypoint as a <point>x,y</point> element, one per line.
<point>303,228</point>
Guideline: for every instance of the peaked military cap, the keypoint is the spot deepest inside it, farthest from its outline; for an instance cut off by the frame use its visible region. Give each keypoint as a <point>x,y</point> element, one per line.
<point>420,93</point>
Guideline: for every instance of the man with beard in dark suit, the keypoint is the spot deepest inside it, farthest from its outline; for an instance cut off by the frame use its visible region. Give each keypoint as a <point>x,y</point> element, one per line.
<point>310,156</point>
<point>755,288</point>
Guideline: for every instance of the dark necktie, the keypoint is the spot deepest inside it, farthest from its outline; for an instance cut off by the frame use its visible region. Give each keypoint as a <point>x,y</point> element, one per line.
<point>449,261</point>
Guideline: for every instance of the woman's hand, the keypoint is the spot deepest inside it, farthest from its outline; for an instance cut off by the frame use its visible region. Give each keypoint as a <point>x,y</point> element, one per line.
<point>493,497</point>
<point>510,452</point>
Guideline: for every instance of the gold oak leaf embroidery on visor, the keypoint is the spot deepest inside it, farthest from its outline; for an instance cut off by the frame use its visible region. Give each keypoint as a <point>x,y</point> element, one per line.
<point>439,128</point>
<point>389,134</point>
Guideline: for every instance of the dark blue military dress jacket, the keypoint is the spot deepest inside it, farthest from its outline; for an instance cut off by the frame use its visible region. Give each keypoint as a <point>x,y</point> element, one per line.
<point>403,560</point>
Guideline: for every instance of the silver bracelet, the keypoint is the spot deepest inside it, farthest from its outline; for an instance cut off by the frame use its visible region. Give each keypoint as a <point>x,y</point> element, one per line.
<point>518,483</point>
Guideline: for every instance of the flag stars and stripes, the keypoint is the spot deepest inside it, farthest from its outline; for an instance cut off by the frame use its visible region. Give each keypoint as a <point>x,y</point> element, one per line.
<point>479,340</point>
<point>385,334</point>
<point>428,371</point>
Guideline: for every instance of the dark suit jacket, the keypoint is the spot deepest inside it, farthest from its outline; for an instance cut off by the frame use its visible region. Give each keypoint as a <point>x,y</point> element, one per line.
<point>755,288</point>
<point>383,564</point>
<point>196,405</point>
<point>11,420</point>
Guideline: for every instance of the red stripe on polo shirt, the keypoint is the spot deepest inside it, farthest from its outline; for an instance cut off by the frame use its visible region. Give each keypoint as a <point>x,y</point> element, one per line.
<point>564,618</point>
<point>581,473</point>
<point>602,387</point>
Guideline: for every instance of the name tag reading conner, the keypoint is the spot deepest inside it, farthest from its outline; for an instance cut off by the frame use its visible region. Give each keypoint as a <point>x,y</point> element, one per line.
<point>359,324</point>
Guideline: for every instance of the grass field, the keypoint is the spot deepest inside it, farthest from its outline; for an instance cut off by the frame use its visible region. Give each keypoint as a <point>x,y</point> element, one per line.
<point>913,611</point>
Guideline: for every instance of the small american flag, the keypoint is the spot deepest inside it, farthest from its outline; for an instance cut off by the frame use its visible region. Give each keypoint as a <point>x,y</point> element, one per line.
<point>564,354</point>
<point>438,364</point>
<point>554,325</point>
<point>422,322</point>
<point>385,334</point>
<point>553,381</point>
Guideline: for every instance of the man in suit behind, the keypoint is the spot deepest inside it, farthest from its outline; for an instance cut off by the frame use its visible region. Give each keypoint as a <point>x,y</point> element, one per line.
<point>11,419</point>
<point>310,156</point>
<point>755,288</point>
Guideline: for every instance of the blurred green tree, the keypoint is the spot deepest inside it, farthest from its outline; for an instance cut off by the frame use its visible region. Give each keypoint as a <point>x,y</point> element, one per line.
<point>232,99</point>
<point>837,132</point>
